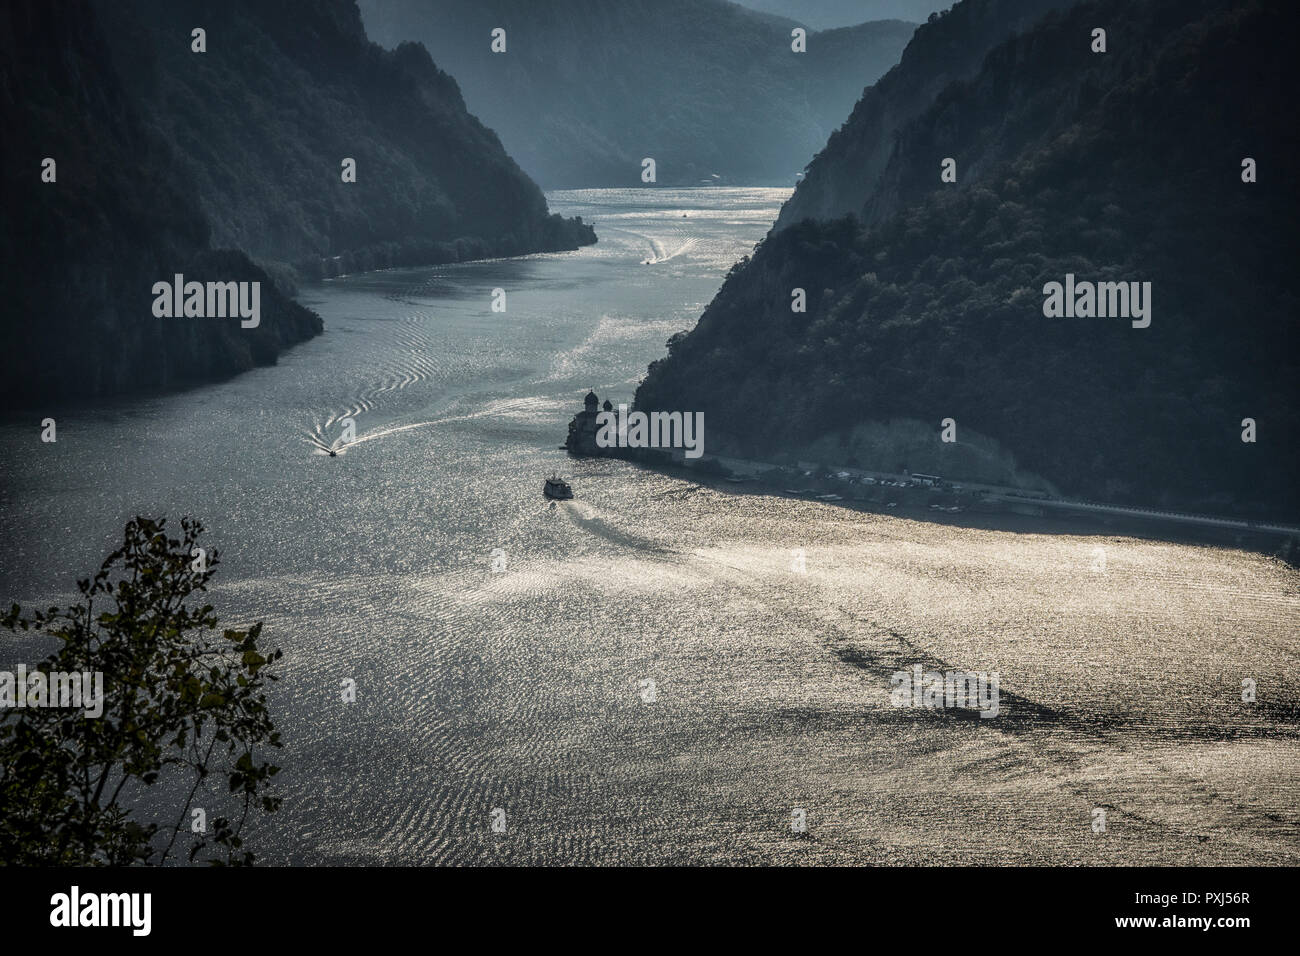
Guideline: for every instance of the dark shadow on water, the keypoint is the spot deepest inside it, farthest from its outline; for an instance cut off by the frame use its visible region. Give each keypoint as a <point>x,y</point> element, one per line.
<point>1020,715</point>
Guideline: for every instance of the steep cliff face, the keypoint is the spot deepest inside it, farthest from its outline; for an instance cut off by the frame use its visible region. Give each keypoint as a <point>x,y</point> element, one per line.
<point>262,121</point>
<point>1116,167</point>
<point>79,255</point>
<point>587,89</point>
<point>850,171</point>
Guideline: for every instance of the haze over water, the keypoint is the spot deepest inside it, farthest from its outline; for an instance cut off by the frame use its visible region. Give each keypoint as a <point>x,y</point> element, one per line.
<point>1120,689</point>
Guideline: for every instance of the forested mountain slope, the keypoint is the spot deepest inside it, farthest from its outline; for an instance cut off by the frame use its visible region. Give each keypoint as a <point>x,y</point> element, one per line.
<point>1124,166</point>
<point>263,119</point>
<point>80,253</point>
<point>951,47</point>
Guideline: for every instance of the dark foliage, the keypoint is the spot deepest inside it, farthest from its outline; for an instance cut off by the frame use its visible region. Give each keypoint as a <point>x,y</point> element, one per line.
<point>183,706</point>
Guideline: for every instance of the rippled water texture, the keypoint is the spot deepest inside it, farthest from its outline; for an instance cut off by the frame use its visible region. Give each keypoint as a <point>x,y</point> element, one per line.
<point>525,689</point>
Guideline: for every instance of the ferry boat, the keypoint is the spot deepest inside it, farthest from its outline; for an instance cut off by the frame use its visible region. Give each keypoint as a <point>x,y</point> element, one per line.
<point>557,488</point>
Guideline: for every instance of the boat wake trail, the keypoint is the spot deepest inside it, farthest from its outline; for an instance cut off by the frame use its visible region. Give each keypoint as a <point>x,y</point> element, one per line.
<point>661,253</point>
<point>586,517</point>
<point>340,447</point>
<point>412,361</point>
<point>519,408</point>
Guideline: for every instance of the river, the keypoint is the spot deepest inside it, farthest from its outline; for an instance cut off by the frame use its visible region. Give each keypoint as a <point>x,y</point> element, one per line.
<point>658,671</point>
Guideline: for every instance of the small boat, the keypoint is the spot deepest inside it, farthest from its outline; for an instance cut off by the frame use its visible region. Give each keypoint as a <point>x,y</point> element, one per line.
<point>557,488</point>
<point>333,453</point>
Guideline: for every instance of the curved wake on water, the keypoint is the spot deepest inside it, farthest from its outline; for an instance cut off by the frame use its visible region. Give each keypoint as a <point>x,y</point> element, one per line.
<point>338,446</point>
<point>411,366</point>
<point>662,255</point>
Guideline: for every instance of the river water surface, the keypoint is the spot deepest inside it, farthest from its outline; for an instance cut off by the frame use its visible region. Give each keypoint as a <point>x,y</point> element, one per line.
<point>646,677</point>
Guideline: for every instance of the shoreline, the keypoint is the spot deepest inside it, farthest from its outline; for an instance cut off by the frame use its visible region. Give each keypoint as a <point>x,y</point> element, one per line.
<point>976,510</point>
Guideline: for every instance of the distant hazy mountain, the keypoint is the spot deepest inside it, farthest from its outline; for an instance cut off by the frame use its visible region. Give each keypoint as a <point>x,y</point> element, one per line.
<point>1124,166</point>
<point>263,119</point>
<point>828,14</point>
<point>79,255</point>
<point>587,89</point>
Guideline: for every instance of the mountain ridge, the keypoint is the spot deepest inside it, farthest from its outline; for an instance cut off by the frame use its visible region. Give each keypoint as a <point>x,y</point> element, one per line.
<point>934,309</point>
<point>263,120</point>
<point>586,90</point>
<point>846,172</point>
